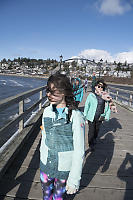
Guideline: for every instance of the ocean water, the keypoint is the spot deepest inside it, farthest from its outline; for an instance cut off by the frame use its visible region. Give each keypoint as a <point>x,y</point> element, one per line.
<point>13,85</point>
<point>124,87</point>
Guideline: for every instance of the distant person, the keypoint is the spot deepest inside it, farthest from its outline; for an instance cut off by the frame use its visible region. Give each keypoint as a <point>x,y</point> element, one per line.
<point>62,143</point>
<point>78,91</point>
<point>86,85</point>
<point>93,83</point>
<point>95,111</point>
<point>73,81</point>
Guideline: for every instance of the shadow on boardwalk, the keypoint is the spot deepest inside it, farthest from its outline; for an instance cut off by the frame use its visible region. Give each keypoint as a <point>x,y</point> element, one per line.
<point>21,181</point>
<point>99,160</point>
<point>125,173</point>
<point>110,126</point>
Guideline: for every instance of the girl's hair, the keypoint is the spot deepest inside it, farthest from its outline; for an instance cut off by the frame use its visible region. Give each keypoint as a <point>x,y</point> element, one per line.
<point>63,84</point>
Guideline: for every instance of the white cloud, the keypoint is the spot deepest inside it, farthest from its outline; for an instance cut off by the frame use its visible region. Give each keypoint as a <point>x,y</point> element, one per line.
<point>105,55</point>
<point>95,54</point>
<point>113,7</point>
<point>125,56</point>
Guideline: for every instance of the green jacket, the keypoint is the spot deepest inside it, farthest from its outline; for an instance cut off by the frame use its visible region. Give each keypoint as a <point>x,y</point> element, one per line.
<point>91,106</point>
<point>62,145</point>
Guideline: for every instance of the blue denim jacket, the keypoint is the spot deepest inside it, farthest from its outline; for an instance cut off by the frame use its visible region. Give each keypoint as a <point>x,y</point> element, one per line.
<point>62,145</point>
<point>79,94</point>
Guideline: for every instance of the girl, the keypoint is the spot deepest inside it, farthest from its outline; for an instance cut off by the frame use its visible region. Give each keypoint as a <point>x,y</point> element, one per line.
<point>62,144</point>
<point>96,110</point>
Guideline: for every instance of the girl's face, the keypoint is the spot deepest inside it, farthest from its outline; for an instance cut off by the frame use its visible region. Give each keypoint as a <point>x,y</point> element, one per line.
<point>55,96</point>
<point>99,88</point>
<point>77,82</point>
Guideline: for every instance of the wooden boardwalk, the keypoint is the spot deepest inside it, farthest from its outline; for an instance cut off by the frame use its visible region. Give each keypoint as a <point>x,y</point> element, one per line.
<point>107,172</point>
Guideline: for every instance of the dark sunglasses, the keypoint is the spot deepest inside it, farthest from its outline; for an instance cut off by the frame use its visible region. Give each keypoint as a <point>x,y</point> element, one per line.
<point>53,92</point>
<point>99,86</point>
<point>48,90</point>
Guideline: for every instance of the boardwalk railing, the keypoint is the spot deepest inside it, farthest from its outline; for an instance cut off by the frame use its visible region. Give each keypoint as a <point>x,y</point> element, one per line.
<point>121,96</point>
<point>12,145</point>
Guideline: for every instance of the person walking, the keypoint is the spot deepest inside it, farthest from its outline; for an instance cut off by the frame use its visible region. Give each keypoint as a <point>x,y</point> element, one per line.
<point>78,91</point>
<point>96,110</point>
<point>62,143</point>
<point>86,84</point>
<point>93,83</point>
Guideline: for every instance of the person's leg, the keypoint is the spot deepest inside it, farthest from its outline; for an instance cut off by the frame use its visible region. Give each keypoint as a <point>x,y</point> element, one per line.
<point>59,189</point>
<point>47,186</point>
<point>91,133</point>
<point>97,127</point>
<point>93,89</point>
<point>85,89</point>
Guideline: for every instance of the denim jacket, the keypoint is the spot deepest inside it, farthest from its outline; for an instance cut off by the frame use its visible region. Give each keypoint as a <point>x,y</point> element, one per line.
<point>79,94</point>
<point>62,145</point>
<point>91,106</point>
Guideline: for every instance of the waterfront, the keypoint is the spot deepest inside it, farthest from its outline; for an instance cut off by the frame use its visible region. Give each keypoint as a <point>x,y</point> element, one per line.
<point>121,86</point>
<point>13,85</point>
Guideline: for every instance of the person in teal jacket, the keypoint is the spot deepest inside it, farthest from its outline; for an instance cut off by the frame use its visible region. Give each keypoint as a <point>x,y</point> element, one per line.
<point>62,143</point>
<point>96,110</point>
<point>78,91</point>
<point>93,83</point>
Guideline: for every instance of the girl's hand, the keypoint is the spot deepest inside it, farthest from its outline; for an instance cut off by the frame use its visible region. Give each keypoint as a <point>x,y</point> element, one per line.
<point>113,107</point>
<point>71,190</point>
<point>106,96</point>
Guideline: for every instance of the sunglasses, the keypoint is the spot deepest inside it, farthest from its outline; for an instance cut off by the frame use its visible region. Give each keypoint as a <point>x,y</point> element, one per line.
<point>48,90</point>
<point>99,86</point>
<point>52,92</point>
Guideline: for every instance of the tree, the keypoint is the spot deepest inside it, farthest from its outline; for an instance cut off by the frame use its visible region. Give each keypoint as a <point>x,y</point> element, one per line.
<point>77,68</point>
<point>3,61</point>
<point>125,63</point>
<point>132,74</point>
<point>9,60</point>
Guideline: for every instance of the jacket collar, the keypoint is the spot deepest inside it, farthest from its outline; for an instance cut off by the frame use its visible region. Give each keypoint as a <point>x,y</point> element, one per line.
<point>53,109</point>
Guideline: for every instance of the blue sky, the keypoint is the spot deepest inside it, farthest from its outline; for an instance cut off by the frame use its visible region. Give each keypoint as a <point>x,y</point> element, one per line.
<point>44,29</point>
